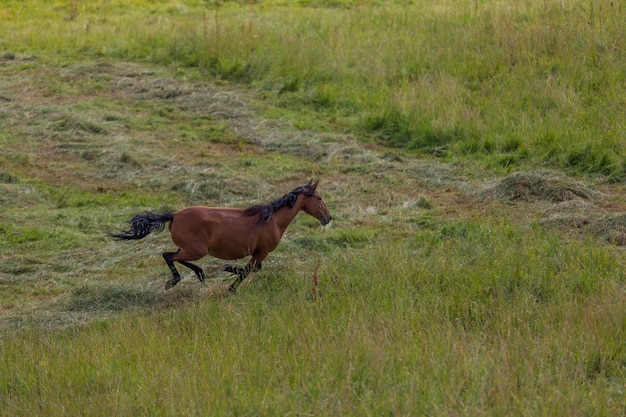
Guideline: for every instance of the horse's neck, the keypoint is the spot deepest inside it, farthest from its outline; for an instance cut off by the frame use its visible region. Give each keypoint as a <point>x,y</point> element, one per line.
<point>285,215</point>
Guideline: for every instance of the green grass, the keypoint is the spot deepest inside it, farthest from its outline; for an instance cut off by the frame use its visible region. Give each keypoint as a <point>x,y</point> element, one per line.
<point>424,97</point>
<point>533,82</point>
<point>471,154</point>
<point>491,320</point>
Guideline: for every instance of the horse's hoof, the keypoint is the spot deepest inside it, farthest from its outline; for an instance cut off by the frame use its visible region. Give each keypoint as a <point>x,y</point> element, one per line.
<point>227,268</point>
<point>169,284</point>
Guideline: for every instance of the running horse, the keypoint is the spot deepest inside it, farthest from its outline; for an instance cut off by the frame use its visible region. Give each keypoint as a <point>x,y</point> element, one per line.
<point>228,233</point>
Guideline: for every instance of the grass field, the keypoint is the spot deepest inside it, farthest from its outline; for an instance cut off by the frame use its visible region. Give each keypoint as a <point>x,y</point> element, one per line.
<point>470,152</point>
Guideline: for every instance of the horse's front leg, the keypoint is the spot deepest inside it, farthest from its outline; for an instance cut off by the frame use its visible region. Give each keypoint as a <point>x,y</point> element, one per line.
<point>242,273</point>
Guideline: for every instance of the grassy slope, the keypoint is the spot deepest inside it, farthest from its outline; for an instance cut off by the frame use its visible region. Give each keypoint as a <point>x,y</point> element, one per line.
<point>527,83</point>
<point>476,305</point>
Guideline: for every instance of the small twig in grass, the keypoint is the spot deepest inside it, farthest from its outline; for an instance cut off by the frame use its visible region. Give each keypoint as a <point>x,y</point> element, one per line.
<point>314,288</point>
<point>73,9</point>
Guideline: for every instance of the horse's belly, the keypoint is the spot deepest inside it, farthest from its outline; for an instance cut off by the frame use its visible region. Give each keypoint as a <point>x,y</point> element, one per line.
<point>232,248</point>
<point>229,255</point>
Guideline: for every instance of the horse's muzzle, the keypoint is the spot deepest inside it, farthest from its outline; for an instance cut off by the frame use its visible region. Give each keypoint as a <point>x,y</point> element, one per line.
<point>326,219</point>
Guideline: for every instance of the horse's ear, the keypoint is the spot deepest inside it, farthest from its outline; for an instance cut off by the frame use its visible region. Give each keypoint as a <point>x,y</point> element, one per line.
<point>313,186</point>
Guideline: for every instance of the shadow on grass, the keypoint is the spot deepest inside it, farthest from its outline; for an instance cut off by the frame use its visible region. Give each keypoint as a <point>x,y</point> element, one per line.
<point>99,301</point>
<point>110,298</point>
<point>119,298</point>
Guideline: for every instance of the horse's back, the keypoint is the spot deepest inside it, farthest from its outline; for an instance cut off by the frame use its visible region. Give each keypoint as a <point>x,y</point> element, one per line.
<point>203,213</point>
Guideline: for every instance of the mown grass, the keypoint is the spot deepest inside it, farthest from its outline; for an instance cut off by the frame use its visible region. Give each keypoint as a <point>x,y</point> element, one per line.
<point>444,286</point>
<point>509,84</point>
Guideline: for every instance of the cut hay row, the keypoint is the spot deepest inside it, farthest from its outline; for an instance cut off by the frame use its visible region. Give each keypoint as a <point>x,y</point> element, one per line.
<point>539,186</point>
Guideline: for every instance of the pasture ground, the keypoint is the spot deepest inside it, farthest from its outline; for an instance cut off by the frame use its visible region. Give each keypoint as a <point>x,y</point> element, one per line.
<point>96,142</point>
<point>443,286</point>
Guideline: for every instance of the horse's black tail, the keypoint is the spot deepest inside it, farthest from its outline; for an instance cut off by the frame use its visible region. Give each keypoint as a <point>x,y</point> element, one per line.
<point>142,225</point>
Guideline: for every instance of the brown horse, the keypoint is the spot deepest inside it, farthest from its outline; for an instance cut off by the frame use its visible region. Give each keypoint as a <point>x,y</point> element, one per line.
<point>228,233</point>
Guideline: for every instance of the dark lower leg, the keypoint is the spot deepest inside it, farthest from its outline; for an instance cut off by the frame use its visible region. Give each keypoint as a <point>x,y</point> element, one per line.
<point>242,272</point>
<point>175,275</point>
<point>195,268</point>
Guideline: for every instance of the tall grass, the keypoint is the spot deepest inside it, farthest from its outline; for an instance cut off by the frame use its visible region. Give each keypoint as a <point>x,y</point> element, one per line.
<point>526,82</point>
<point>463,319</point>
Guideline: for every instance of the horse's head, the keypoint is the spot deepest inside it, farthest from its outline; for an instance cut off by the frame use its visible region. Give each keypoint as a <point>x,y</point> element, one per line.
<point>313,204</point>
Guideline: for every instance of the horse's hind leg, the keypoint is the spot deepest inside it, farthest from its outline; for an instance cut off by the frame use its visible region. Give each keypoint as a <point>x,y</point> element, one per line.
<point>195,268</point>
<point>168,256</point>
<point>169,259</point>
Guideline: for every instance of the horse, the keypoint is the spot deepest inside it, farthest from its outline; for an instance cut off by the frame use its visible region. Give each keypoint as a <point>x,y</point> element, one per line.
<point>228,233</point>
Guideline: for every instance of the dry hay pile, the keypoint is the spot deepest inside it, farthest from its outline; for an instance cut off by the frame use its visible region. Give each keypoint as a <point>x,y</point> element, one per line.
<point>539,186</point>
<point>611,228</point>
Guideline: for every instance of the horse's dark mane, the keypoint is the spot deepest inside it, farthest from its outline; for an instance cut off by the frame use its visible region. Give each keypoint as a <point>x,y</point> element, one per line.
<point>265,211</point>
